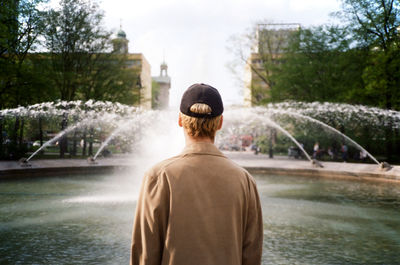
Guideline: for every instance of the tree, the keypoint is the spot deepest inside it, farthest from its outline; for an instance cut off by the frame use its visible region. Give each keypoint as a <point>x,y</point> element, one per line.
<point>20,26</point>
<point>261,51</point>
<point>357,61</point>
<point>319,65</point>
<point>74,37</point>
<point>110,79</point>
<point>375,25</point>
<point>83,64</point>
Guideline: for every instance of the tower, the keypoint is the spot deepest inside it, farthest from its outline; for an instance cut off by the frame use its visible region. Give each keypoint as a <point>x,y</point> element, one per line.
<point>161,97</point>
<point>120,44</point>
<point>164,69</point>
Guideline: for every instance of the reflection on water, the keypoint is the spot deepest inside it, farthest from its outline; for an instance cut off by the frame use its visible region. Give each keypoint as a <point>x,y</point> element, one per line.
<point>311,221</point>
<point>68,220</point>
<point>88,220</point>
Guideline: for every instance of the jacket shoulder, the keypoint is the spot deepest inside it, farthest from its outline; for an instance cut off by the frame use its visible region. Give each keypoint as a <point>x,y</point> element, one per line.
<point>161,166</point>
<point>242,170</point>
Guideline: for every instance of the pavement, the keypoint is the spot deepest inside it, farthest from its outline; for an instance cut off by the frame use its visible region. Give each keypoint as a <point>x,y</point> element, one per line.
<point>261,163</point>
<point>282,165</point>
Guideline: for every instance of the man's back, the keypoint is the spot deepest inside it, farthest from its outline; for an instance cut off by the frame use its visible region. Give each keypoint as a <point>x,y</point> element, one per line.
<point>198,208</point>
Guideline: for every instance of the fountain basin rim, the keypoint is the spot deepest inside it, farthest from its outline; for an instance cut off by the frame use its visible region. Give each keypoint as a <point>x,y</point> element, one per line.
<point>254,164</point>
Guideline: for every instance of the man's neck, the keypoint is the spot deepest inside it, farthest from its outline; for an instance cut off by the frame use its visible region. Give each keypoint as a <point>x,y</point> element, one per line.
<point>191,140</point>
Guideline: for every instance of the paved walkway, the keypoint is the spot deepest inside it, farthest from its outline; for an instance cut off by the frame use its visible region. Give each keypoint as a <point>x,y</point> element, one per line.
<point>252,162</point>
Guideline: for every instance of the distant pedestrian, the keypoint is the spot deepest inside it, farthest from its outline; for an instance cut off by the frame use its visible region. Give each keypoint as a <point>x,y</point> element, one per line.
<point>344,150</point>
<point>316,150</point>
<point>330,153</point>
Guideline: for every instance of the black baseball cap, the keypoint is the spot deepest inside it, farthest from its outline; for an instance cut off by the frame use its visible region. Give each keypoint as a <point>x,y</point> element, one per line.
<point>202,93</point>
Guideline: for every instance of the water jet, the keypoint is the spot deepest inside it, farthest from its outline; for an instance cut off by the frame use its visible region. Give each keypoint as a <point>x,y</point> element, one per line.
<point>130,123</point>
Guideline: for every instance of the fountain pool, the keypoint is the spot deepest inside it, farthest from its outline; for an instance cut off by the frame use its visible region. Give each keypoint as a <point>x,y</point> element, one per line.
<point>88,220</point>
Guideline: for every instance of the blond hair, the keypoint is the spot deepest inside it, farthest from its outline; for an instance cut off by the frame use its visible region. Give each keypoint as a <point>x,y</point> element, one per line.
<point>200,127</point>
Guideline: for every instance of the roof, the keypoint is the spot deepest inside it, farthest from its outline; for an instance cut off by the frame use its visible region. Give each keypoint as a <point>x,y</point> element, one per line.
<point>121,34</point>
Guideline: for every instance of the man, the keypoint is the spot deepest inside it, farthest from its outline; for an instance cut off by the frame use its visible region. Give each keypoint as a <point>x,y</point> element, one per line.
<point>198,208</point>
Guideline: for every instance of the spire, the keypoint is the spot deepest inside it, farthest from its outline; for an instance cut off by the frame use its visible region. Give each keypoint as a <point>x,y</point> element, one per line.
<point>164,66</point>
<point>164,56</point>
<point>121,34</point>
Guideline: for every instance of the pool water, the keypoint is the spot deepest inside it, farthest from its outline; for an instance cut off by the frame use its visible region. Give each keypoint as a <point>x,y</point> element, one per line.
<point>319,221</point>
<point>88,220</point>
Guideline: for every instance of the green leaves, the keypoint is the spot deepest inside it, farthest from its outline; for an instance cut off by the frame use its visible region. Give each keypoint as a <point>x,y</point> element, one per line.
<point>318,65</point>
<point>83,65</point>
<point>357,61</point>
<point>376,24</point>
<point>20,26</point>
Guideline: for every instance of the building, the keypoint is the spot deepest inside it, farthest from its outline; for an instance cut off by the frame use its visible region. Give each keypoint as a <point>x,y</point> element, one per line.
<point>256,88</point>
<point>137,62</point>
<point>271,42</point>
<point>161,100</point>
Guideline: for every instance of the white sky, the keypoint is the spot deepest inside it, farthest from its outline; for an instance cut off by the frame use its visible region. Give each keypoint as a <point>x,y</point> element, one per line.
<point>194,34</point>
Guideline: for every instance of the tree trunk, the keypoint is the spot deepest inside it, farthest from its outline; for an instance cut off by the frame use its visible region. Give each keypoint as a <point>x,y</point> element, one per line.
<point>271,140</point>
<point>41,134</point>
<point>366,138</point>
<point>388,97</point>
<point>397,142</point>
<point>74,143</point>
<point>21,133</point>
<point>74,140</point>
<point>91,141</point>
<point>84,142</point>
<point>1,138</point>
<point>15,132</point>
<point>389,142</point>
<point>63,143</point>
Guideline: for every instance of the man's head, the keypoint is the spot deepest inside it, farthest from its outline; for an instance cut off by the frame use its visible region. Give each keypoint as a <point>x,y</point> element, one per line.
<point>201,111</point>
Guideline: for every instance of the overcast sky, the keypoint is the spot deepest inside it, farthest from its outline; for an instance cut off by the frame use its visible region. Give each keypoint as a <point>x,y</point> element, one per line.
<point>194,34</point>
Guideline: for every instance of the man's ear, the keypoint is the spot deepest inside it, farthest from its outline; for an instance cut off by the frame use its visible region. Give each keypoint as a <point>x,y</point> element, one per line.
<point>220,122</point>
<point>180,120</point>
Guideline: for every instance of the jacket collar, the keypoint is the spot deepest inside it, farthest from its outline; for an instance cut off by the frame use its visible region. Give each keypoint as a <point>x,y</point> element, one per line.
<point>202,148</point>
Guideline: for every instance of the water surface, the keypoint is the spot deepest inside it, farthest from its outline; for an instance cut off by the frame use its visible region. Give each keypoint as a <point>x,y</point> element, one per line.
<point>88,220</point>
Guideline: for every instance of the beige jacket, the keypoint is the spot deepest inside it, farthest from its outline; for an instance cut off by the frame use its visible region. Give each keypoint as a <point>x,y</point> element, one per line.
<point>198,208</point>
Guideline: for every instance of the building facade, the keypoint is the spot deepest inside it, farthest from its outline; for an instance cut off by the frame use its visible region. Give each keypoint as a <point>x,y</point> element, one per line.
<point>271,42</point>
<point>138,63</point>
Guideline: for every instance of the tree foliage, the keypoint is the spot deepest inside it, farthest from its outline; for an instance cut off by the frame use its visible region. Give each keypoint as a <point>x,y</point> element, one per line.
<point>357,61</point>
<point>375,25</point>
<point>83,65</point>
<point>76,60</point>
<point>20,26</point>
<point>319,65</point>
<point>78,64</point>
<point>74,37</point>
<point>260,49</point>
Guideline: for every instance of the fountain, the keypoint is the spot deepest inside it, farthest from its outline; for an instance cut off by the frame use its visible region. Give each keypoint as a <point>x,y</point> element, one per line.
<point>55,138</point>
<point>264,117</point>
<point>131,123</point>
<point>308,220</point>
